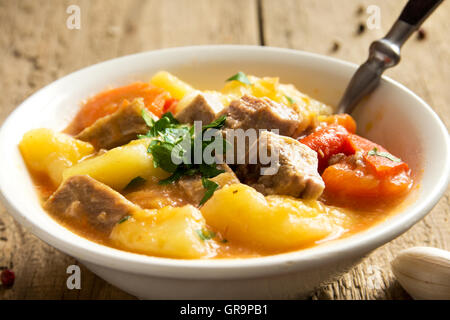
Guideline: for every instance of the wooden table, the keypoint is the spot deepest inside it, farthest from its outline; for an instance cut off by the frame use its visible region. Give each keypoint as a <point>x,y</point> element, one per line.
<point>37,48</point>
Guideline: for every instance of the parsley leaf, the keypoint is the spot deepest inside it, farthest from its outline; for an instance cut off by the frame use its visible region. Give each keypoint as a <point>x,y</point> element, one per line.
<point>205,234</point>
<point>147,116</point>
<point>241,77</point>
<point>123,219</point>
<point>179,172</point>
<point>375,152</point>
<point>159,127</point>
<point>210,187</point>
<point>173,143</point>
<point>291,101</point>
<point>135,182</point>
<point>162,155</point>
<point>209,170</point>
<point>216,124</point>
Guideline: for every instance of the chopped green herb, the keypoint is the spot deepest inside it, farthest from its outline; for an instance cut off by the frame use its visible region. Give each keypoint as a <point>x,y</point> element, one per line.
<point>375,152</point>
<point>167,122</point>
<point>210,187</point>
<point>216,124</point>
<point>147,116</point>
<point>241,77</point>
<point>209,170</point>
<point>143,136</point>
<point>205,234</point>
<point>224,240</point>
<point>291,101</point>
<point>174,177</point>
<point>162,155</point>
<point>123,219</point>
<point>135,182</point>
<point>172,148</point>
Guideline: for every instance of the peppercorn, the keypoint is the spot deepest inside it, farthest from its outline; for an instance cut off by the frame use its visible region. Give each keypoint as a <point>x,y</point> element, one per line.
<point>361,28</point>
<point>360,10</point>
<point>7,278</point>
<point>335,46</point>
<point>421,34</point>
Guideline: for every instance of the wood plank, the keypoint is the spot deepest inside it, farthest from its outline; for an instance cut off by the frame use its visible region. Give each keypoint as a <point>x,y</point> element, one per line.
<point>315,26</point>
<point>36,48</point>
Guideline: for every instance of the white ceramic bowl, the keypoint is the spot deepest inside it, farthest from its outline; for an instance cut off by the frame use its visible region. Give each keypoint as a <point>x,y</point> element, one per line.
<point>392,116</point>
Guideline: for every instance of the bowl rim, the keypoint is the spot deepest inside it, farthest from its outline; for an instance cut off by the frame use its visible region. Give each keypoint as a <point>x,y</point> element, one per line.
<point>353,246</point>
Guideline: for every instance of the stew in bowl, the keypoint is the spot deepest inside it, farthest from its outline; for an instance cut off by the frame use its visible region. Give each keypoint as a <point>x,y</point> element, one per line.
<point>254,169</point>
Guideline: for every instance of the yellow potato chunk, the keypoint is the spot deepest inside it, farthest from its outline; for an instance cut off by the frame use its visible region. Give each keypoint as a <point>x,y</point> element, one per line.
<point>171,232</point>
<point>52,152</point>
<point>177,88</point>
<point>274,223</point>
<point>118,166</point>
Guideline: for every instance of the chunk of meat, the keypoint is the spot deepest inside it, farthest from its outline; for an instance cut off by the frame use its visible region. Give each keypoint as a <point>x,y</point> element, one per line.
<point>118,128</point>
<point>288,167</point>
<point>262,113</point>
<point>194,190</point>
<point>83,201</point>
<point>188,190</point>
<point>198,106</point>
<point>109,101</point>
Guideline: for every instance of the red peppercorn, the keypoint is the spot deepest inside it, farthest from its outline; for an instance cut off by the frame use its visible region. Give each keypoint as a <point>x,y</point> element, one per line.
<point>7,278</point>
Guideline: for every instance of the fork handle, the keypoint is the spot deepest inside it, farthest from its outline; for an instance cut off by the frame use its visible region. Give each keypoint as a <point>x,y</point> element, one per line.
<point>416,11</point>
<point>411,18</point>
<point>385,52</point>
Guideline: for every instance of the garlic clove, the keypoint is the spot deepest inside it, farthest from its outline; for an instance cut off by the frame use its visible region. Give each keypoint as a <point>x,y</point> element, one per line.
<point>424,272</point>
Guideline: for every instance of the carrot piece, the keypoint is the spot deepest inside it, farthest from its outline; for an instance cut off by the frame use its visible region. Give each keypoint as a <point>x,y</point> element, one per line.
<point>377,157</point>
<point>328,141</point>
<point>342,119</point>
<point>108,102</point>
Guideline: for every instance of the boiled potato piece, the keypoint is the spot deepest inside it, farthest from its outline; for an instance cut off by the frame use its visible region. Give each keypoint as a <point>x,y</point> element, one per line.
<point>171,232</point>
<point>177,88</point>
<point>118,166</point>
<point>260,87</point>
<point>51,152</point>
<point>275,223</point>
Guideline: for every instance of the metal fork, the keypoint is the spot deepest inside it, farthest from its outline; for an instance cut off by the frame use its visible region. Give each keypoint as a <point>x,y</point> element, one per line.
<point>385,53</point>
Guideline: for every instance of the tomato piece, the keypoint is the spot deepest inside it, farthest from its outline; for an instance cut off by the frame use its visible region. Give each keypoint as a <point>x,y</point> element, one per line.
<point>351,182</point>
<point>396,185</point>
<point>344,179</point>
<point>377,157</point>
<point>108,102</point>
<point>328,141</point>
<point>342,119</point>
<point>170,105</point>
<point>384,166</point>
<point>358,143</point>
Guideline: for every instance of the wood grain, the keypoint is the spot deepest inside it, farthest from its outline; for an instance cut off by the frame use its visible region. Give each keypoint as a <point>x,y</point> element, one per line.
<point>316,26</point>
<point>36,48</point>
